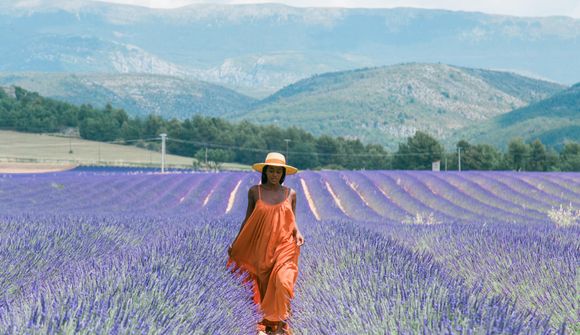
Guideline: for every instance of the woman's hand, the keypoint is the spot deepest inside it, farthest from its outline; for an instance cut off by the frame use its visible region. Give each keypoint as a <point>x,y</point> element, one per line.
<point>299,239</point>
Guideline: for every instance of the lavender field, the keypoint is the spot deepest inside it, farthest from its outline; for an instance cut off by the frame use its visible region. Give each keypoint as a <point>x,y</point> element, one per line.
<point>387,252</point>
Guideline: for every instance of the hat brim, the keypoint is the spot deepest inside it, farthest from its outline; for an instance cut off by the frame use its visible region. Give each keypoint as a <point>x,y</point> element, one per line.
<point>289,169</point>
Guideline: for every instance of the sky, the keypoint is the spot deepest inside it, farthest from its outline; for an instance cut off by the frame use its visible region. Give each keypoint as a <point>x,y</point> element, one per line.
<point>504,7</point>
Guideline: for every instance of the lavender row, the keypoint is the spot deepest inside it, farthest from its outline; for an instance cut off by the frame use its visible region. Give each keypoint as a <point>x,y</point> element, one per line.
<point>371,195</point>
<point>534,265</point>
<point>405,196</point>
<point>351,201</point>
<point>568,189</point>
<point>325,204</point>
<point>369,284</point>
<point>169,278</point>
<point>533,191</point>
<point>513,211</point>
<point>468,202</point>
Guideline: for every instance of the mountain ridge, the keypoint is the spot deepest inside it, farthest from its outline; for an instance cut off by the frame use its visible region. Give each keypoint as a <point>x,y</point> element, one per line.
<point>138,94</point>
<point>387,104</point>
<point>553,121</point>
<point>258,49</point>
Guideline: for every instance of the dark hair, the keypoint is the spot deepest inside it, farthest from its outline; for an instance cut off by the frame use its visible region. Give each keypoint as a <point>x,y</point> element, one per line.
<point>265,178</point>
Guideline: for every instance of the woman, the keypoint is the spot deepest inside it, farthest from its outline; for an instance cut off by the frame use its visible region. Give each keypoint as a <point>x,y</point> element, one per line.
<point>268,243</point>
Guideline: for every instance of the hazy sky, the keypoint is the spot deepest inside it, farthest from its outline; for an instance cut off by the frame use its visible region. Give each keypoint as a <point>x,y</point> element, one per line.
<point>507,7</point>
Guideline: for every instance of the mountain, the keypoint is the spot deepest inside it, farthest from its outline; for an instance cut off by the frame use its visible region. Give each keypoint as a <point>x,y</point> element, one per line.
<point>138,94</point>
<point>388,104</point>
<point>259,49</point>
<point>382,105</point>
<point>553,121</point>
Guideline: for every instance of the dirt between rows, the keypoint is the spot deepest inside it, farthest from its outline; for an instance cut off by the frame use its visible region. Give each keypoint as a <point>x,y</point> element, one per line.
<point>13,167</point>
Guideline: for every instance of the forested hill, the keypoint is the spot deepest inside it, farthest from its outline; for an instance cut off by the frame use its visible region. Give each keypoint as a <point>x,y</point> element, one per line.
<point>388,104</point>
<point>137,94</point>
<point>247,143</point>
<point>225,141</point>
<point>554,121</point>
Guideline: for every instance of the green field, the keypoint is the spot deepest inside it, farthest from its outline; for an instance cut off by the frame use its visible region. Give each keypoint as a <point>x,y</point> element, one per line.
<point>42,148</point>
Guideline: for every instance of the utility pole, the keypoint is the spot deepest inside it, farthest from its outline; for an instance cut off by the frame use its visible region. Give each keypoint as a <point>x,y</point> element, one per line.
<point>206,156</point>
<point>287,140</point>
<point>99,152</point>
<point>459,158</point>
<point>163,137</point>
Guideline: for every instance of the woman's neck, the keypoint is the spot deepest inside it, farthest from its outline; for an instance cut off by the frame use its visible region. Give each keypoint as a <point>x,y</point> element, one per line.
<point>271,186</point>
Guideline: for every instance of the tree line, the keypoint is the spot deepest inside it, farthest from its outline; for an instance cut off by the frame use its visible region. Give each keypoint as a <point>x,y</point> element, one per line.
<point>219,140</point>
<point>420,150</point>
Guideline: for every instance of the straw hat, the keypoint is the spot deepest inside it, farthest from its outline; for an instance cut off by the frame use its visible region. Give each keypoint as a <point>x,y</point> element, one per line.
<point>275,159</point>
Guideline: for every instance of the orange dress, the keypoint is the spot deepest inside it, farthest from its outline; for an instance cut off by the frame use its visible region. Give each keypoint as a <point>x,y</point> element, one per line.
<point>266,250</point>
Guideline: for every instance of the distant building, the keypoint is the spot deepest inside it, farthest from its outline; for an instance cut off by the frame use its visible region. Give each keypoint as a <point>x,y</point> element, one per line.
<point>436,166</point>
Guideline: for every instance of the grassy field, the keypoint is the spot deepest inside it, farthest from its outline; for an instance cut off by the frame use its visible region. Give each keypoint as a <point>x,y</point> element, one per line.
<point>48,149</point>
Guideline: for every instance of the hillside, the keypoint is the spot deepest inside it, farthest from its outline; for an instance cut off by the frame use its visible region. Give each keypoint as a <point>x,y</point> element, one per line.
<point>46,149</point>
<point>260,48</point>
<point>388,104</point>
<point>375,105</point>
<point>137,94</point>
<point>202,137</point>
<point>553,121</point>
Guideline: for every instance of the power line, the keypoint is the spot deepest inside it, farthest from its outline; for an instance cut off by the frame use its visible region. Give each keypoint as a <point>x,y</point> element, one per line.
<point>217,145</point>
<point>239,148</point>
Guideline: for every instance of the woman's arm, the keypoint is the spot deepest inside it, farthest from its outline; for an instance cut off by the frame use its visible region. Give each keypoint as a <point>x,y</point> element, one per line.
<point>297,234</point>
<point>249,210</point>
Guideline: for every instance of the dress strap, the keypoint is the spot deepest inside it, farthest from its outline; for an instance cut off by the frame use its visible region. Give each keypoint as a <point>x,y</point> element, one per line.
<point>259,191</point>
<point>286,193</point>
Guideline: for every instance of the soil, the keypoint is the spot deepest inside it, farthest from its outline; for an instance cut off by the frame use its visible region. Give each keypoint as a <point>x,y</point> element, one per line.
<point>13,167</point>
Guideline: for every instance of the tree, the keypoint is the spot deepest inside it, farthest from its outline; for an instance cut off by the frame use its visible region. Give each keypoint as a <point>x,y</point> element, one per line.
<point>553,160</point>
<point>352,158</point>
<point>490,157</point>
<point>154,125</point>
<point>329,149</point>
<point>517,155</point>
<point>99,128</point>
<point>463,145</point>
<point>253,149</point>
<point>418,153</point>
<point>131,129</point>
<point>378,158</point>
<point>477,157</point>
<point>570,157</point>
<point>538,157</point>
<point>303,156</point>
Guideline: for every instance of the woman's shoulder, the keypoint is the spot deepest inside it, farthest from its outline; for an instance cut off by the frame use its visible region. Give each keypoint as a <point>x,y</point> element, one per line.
<point>253,191</point>
<point>291,191</point>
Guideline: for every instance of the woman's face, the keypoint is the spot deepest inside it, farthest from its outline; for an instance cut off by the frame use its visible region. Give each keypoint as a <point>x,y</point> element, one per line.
<point>274,174</point>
